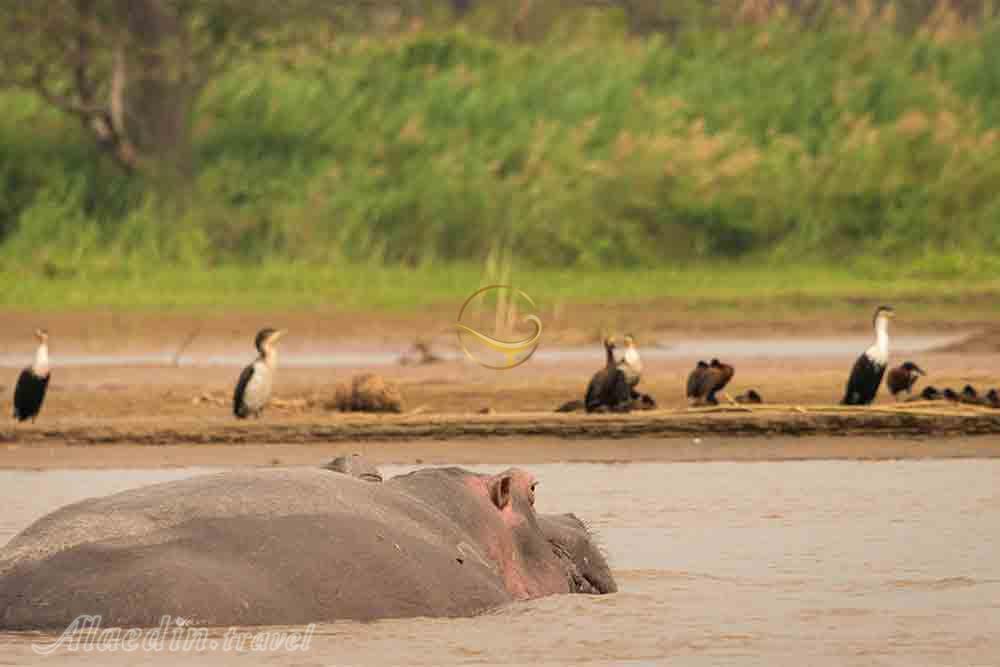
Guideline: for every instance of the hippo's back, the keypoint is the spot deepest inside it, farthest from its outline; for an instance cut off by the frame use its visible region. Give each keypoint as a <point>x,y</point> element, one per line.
<point>244,547</point>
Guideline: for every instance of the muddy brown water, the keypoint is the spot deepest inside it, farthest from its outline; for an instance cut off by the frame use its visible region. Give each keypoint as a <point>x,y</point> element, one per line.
<point>792,563</point>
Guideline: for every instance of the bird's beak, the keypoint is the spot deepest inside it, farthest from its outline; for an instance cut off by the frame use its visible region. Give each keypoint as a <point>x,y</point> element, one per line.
<point>279,334</point>
<point>919,370</point>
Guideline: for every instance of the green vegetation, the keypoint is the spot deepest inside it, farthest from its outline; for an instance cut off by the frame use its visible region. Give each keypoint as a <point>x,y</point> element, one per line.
<point>731,292</point>
<point>382,171</point>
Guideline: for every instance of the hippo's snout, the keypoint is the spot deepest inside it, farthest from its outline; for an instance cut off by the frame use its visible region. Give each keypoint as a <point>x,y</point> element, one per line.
<point>575,546</point>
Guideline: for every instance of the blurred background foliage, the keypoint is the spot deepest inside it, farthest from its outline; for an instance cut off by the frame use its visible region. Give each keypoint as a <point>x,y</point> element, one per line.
<point>580,133</point>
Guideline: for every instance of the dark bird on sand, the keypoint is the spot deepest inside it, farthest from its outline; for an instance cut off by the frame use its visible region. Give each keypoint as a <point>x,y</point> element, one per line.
<point>253,389</point>
<point>695,378</point>
<point>970,395</point>
<point>950,395</point>
<point>749,396</point>
<point>709,381</point>
<point>608,389</point>
<point>902,378</point>
<point>930,393</point>
<point>29,393</point>
<point>866,375</point>
<point>993,398</point>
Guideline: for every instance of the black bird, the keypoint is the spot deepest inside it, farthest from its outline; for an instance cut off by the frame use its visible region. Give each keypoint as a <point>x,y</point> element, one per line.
<point>253,390</point>
<point>929,393</point>
<point>970,395</point>
<point>866,376</point>
<point>33,381</point>
<point>950,395</point>
<point>718,376</point>
<point>902,378</point>
<point>710,380</point>
<point>749,396</point>
<point>608,388</point>
<point>993,398</point>
<point>695,379</point>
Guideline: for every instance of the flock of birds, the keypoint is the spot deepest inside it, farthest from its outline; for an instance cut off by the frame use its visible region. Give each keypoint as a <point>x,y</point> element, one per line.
<point>612,388</point>
<point>252,393</point>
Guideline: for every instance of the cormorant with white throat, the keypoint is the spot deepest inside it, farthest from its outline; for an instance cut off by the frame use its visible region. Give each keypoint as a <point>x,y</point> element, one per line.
<point>253,390</point>
<point>866,376</point>
<point>33,381</point>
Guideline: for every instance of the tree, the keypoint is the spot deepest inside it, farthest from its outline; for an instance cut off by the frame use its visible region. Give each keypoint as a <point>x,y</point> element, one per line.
<point>132,70</point>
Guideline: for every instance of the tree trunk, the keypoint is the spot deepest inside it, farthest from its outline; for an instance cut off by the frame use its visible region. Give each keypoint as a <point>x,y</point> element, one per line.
<point>159,94</point>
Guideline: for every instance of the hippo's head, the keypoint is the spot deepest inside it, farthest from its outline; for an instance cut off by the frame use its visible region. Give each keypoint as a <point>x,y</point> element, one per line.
<point>532,554</point>
<point>573,542</point>
<point>552,543</point>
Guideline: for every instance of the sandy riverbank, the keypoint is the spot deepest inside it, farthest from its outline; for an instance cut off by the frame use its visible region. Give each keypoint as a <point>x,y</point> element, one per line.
<point>187,406</point>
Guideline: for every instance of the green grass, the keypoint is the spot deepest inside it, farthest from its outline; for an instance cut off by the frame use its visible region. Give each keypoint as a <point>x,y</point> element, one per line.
<point>415,157</point>
<point>728,291</point>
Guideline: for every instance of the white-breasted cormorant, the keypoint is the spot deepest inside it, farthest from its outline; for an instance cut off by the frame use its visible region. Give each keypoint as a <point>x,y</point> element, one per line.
<point>631,365</point>
<point>607,388</point>
<point>866,376</point>
<point>253,390</point>
<point>902,378</point>
<point>33,381</point>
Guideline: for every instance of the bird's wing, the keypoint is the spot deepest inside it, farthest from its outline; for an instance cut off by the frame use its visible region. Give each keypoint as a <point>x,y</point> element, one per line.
<point>694,382</point>
<point>23,382</point>
<point>241,387</point>
<point>21,390</point>
<point>853,380</point>
<point>709,381</point>
<point>897,379</point>
<point>595,390</point>
<point>858,384</point>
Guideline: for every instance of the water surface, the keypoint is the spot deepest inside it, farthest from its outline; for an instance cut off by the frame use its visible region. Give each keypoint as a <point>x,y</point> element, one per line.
<point>351,356</point>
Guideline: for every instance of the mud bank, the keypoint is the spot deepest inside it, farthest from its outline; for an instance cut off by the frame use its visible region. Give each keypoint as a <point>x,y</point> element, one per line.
<point>922,420</point>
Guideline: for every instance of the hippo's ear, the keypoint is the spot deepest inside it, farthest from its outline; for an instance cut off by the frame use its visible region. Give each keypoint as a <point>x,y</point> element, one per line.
<point>500,490</point>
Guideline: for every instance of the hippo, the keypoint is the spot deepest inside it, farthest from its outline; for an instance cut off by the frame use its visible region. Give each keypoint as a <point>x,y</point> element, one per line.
<point>297,545</point>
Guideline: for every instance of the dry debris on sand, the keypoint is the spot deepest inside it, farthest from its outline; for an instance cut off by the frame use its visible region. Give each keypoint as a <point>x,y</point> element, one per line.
<point>368,392</point>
